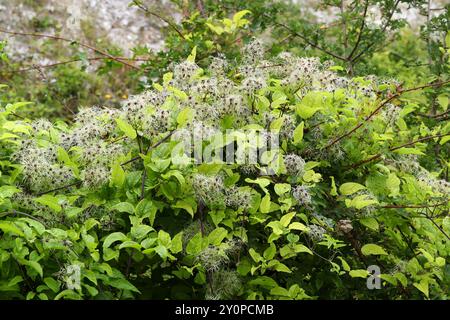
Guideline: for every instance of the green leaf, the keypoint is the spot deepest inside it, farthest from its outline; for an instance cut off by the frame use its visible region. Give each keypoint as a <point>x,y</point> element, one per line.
<point>360,202</point>
<point>239,15</point>
<point>127,128</point>
<point>52,284</point>
<point>440,262</point>
<point>372,249</point>
<point>185,116</point>
<point>123,207</point>
<point>306,111</point>
<point>34,265</point>
<point>291,250</point>
<point>191,57</point>
<point>350,188</point>
<point>194,246</point>
<point>298,133</point>
<point>244,266</point>
<point>264,206</point>
<point>186,205</point>
<point>280,267</point>
<point>177,243</point>
<point>393,185</point>
<point>113,237</point>
<point>370,223</point>
<point>264,281</point>
<point>409,151</point>
<point>422,286</point>
<point>359,273</point>
<point>270,252</point>
<point>217,235</point>
<point>443,101</point>
<point>298,226</point>
<point>9,227</point>
<point>117,175</point>
<point>280,291</point>
<point>164,238</point>
<point>68,294</point>
<point>49,201</point>
<point>140,231</point>
<point>333,191</point>
<point>123,285</point>
<point>282,188</point>
<point>8,191</point>
<point>255,255</point>
<point>287,218</point>
<point>444,140</point>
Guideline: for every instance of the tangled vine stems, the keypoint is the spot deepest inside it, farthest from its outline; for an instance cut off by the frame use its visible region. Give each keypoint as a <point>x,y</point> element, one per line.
<point>71,41</point>
<point>399,92</point>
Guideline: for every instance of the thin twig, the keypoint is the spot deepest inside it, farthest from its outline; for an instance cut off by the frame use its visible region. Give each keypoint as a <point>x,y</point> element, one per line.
<point>377,156</point>
<point>370,45</point>
<point>23,214</point>
<point>60,188</point>
<point>172,25</point>
<point>361,29</point>
<point>306,40</point>
<point>149,147</point>
<point>414,206</point>
<point>374,112</point>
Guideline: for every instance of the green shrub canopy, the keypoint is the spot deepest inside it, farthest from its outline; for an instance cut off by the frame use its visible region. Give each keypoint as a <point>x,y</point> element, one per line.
<point>122,204</point>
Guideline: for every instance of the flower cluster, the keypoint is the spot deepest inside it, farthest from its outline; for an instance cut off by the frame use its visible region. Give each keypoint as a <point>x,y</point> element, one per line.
<point>209,190</point>
<point>301,194</point>
<point>295,164</point>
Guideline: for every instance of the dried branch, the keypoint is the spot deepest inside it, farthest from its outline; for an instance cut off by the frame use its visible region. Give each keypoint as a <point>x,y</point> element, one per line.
<point>51,65</point>
<point>96,50</point>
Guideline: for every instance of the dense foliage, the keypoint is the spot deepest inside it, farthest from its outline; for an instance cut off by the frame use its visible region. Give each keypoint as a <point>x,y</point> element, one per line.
<point>137,200</point>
